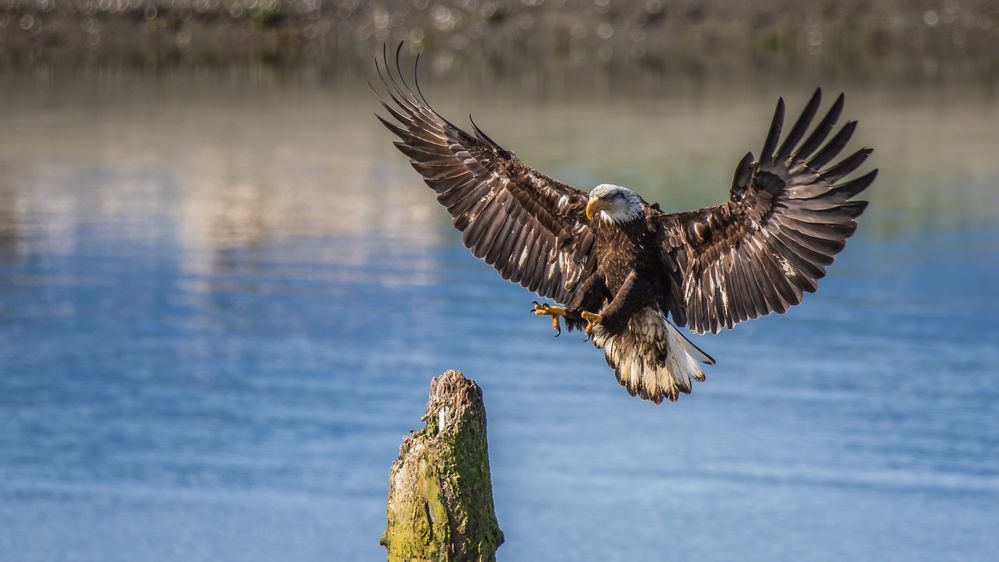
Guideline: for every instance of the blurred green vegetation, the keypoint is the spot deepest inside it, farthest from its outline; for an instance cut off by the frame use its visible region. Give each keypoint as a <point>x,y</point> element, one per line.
<point>907,37</point>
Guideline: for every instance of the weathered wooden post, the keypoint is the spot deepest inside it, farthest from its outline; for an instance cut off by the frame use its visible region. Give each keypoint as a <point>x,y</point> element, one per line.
<point>440,503</point>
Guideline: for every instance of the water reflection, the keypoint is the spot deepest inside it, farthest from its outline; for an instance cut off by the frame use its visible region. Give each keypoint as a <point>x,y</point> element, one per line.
<point>221,300</point>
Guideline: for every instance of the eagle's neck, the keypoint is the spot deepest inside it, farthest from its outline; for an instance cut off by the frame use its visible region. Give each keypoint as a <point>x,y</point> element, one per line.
<point>618,231</point>
<point>623,214</point>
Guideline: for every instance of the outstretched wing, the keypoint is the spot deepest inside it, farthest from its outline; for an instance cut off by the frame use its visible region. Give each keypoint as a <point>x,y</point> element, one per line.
<point>523,223</point>
<point>766,246</point>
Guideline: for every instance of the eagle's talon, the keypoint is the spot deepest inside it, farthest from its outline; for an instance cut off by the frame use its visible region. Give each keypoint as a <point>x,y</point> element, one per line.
<point>554,311</point>
<point>592,319</point>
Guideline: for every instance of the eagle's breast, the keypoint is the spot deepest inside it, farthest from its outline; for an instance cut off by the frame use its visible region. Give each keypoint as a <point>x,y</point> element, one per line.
<point>619,250</point>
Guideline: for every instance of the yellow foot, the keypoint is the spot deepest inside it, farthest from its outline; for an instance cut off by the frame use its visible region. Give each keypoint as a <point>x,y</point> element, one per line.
<point>592,319</point>
<point>554,311</point>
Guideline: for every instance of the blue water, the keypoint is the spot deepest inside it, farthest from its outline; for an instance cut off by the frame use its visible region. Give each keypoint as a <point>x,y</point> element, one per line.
<point>222,300</point>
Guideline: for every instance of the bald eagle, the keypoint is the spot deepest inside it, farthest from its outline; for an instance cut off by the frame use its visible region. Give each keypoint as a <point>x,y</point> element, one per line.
<point>618,267</point>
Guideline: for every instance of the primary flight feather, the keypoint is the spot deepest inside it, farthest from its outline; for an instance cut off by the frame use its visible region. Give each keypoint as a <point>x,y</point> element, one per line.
<point>619,267</point>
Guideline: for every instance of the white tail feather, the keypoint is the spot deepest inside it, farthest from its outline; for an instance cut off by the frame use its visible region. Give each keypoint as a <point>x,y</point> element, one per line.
<point>651,358</point>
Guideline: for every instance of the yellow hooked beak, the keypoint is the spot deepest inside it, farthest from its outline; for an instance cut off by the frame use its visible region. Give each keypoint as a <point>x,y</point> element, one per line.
<point>592,207</point>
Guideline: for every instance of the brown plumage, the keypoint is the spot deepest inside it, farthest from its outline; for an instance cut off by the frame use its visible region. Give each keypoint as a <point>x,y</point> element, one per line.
<point>609,252</point>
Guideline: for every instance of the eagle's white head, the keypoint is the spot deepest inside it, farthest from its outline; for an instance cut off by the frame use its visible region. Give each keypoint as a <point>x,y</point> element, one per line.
<point>614,203</point>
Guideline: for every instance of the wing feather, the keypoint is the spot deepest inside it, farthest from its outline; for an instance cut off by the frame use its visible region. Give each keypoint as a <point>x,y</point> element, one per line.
<point>800,126</point>
<point>783,225</point>
<point>822,130</point>
<point>522,222</point>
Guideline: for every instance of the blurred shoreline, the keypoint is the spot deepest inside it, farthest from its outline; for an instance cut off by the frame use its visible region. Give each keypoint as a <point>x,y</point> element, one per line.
<point>886,40</point>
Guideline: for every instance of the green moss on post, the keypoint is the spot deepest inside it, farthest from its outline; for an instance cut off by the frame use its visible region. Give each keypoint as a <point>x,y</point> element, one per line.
<point>440,504</point>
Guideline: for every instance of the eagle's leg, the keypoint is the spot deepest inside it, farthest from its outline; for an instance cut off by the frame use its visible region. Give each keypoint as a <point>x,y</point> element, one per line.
<point>555,312</point>
<point>592,319</point>
<point>615,316</point>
